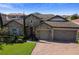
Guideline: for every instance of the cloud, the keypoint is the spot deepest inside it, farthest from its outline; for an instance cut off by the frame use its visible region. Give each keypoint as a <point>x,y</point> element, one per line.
<point>6,6</point>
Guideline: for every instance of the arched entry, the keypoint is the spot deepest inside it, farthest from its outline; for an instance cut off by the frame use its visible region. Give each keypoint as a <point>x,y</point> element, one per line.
<point>32,34</point>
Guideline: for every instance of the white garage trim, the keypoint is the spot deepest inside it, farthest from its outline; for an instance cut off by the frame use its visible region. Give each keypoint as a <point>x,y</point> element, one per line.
<point>42,29</point>
<point>63,29</point>
<point>52,34</point>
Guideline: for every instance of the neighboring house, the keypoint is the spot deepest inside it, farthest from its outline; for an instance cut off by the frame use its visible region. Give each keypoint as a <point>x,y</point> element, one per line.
<point>14,16</point>
<point>46,27</point>
<point>76,21</point>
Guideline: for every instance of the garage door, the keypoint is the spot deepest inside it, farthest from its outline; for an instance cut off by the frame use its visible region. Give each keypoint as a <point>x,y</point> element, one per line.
<point>44,35</point>
<point>64,35</point>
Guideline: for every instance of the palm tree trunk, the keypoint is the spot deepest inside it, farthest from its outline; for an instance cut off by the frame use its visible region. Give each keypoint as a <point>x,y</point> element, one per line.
<point>24,27</point>
<point>1,22</point>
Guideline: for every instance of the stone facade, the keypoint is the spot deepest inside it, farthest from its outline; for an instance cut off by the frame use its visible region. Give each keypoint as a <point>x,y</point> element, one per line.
<point>43,30</point>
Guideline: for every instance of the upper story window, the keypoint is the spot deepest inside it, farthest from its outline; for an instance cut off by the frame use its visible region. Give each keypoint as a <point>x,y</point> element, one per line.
<point>20,16</point>
<point>31,21</point>
<point>13,17</point>
<point>14,30</point>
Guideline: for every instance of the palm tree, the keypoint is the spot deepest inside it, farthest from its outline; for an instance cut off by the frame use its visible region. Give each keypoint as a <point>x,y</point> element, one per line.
<point>24,27</point>
<point>1,22</point>
<point>1,26</point>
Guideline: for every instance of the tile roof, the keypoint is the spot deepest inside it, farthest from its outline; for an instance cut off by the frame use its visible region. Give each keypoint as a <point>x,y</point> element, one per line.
<point>62,24</point>
<point>76,21</point>
<point>44,16</point>
<point>53,24</point>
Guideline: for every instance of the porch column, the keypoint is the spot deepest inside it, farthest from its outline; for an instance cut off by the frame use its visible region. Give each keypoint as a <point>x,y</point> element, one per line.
<point>52,34</point>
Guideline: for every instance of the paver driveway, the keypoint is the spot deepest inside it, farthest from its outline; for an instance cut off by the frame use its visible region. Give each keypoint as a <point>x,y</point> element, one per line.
<point>52,48</point>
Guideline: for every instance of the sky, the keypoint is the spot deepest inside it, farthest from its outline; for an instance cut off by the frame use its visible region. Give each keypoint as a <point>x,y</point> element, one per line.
<point>44,8</point>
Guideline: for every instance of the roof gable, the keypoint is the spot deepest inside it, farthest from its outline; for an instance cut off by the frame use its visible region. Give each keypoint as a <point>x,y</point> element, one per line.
<point>57,18</point>
<point>43,25</point>
<point>13,21</point>
<point>33,16</point>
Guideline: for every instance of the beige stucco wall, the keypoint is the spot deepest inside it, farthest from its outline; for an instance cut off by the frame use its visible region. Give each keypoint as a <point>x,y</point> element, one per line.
<point>43,26</point>
<point>43,32</point>
<point>15,25</point>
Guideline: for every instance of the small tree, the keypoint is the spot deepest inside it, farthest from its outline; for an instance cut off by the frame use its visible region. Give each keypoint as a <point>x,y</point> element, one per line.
<point>75,16</point>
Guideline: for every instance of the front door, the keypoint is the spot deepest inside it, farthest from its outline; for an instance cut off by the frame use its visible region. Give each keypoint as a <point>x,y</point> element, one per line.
<point>32,34</point>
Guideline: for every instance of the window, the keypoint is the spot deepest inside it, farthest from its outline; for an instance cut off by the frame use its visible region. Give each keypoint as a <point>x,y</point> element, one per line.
<point>31,21</point>
<point>14,31</point>
<point>13,17</point>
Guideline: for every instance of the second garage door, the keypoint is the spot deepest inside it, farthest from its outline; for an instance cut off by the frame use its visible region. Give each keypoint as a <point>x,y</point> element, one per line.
<point>64,35</point>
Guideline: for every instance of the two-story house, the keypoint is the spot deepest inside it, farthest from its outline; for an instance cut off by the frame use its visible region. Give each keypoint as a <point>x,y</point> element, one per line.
<point>45,27</point>
<point>55,28</point>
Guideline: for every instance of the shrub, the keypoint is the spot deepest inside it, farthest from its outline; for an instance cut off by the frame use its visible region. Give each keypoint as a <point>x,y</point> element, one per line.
<point>77,41</point>
<point>21,37</point>
<point>1,47</point>
<point>19,41</point>
<point>24,39</point>
<point>5,39</point>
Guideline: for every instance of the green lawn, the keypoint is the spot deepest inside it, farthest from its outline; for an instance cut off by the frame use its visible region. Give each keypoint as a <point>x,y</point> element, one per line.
<point>17,49</point>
